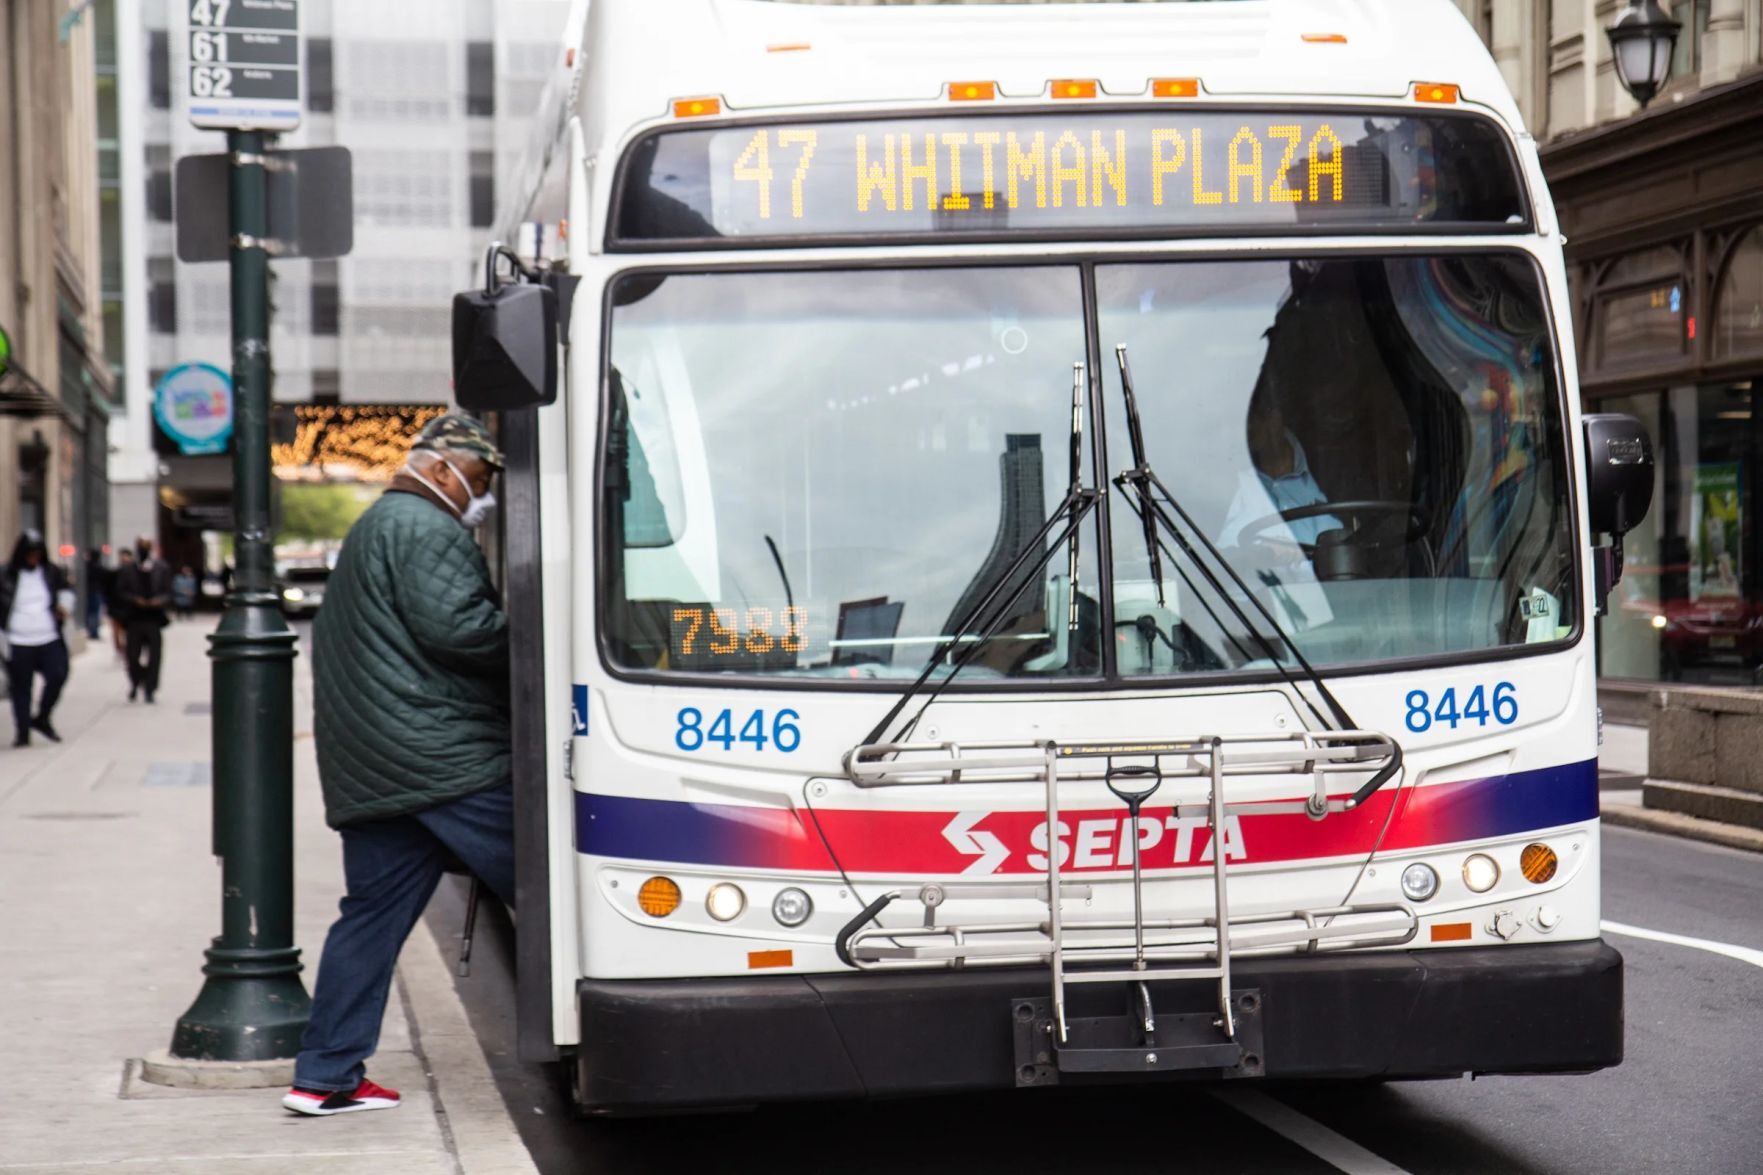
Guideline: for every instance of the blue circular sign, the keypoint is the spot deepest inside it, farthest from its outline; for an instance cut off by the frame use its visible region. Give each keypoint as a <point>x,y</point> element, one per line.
<point>193,403</point>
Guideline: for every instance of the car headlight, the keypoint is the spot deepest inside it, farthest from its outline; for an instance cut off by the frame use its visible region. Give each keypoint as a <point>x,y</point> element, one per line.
<point>1480,872</point>
<point>1419,882</point>
<point>293,595</point>
<point>791,907</point>
<point>725,902</point>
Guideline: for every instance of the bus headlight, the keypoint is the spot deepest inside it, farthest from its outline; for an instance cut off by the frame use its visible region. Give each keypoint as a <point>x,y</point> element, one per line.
<point>725,902</point>
<point>1419,882</point>
<point>1480,872</point>
<point>791,907</point>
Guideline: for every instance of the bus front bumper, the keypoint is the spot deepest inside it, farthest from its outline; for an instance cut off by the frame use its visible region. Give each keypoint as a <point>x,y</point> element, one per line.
<point>675,1043</point>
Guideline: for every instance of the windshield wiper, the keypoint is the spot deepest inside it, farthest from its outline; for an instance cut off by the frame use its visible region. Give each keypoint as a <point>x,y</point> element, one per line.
<point>1062,526</point>
<point>1137,484</point>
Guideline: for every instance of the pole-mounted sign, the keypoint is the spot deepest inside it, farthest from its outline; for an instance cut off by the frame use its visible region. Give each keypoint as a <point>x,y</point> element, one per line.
<point>244,68</point>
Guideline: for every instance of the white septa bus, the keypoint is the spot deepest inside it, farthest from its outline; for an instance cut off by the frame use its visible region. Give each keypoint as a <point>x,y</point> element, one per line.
<point>1063,549</point>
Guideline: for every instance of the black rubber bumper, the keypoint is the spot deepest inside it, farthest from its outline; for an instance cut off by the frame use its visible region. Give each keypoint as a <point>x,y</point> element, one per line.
<point>663,1044</point>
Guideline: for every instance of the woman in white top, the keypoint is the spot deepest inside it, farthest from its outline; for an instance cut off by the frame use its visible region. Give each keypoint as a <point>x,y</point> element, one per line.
<point>30,591</point>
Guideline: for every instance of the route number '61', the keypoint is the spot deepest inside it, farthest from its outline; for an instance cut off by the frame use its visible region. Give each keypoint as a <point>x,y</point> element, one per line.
<point>780,733</point>
<point>1501,705</point>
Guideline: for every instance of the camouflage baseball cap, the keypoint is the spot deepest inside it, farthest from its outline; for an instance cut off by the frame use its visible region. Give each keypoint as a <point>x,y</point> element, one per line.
<point>454,433</point>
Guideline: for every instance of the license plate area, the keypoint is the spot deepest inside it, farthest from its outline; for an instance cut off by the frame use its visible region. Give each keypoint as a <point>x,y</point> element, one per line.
<point>1122,1045</point>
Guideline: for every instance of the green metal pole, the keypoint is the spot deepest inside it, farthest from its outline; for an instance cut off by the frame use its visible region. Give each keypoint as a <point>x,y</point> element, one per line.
<point>252,1006</point>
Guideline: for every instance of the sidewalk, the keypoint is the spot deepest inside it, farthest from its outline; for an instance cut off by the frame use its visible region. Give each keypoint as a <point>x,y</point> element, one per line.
<point>1622,770</point>
<point>108,896</point>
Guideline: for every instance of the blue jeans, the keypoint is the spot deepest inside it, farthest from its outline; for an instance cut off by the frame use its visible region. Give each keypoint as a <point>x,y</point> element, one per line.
<point>391,868</point>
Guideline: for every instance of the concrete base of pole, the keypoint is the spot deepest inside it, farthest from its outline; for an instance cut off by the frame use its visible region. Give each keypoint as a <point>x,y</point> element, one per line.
<point>161,1068</point>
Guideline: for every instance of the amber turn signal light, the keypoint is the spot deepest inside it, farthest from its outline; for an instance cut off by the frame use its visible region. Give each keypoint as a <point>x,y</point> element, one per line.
<point>1440,92</point>
<point>1538,863</point>
<point>658,897</point>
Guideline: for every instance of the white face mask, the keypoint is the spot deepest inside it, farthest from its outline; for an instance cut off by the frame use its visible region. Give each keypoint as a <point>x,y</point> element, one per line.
<point>477,509</point>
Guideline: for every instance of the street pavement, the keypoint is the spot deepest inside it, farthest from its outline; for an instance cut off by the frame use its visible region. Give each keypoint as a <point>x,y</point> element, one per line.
<point>108,896</point>
<point>1689,1095</point>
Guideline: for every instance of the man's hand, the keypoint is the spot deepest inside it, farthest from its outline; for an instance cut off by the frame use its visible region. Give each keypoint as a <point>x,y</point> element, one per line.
<point>60,614</point>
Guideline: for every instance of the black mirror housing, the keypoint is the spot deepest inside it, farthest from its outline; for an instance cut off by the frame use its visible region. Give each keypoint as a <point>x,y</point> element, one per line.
<point>1618,472</point>
<point>505,347</point>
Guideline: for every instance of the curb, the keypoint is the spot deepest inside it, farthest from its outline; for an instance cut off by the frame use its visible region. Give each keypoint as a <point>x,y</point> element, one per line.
<point>474,1118</point>
<point>1733,836</point>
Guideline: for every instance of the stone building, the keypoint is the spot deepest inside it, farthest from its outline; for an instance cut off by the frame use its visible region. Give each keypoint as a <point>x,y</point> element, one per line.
<point>56,393</point>
<point>1663,211</point>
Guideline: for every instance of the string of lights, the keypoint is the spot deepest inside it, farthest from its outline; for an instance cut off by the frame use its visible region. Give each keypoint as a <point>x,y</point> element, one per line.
<point>331,442</point>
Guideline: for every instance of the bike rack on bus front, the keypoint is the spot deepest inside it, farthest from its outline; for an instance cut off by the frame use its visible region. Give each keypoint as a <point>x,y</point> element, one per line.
<point>1140,949</point>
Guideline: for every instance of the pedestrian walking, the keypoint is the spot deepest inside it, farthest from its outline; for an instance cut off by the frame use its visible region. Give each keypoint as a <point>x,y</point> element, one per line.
<point>145,587</point>
<point>118,607</point>
<point>30,594</point>
<point>183,592</point>
<point>97,586</point>
<point>410,705</point>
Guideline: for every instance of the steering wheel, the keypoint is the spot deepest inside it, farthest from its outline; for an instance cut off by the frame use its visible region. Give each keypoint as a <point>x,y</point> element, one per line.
<point>1352,510</point>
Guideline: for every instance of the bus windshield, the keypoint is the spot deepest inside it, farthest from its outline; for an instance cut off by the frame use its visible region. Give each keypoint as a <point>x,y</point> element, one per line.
<point>818,473</point>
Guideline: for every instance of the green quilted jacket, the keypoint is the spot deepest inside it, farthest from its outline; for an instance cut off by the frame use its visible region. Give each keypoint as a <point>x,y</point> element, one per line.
<point>410,666</point>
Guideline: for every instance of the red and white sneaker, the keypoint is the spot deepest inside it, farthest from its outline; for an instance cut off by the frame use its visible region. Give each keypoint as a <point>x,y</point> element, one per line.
<point>323,1103</point>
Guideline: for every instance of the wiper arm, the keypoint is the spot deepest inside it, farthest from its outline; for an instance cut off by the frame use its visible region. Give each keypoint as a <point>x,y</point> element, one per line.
<point>1136,435</point>
<point>1142,480</point>
<point>1062,526</point>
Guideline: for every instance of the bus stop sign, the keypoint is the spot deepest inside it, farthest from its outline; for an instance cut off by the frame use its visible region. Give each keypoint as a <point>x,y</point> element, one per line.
<point>244,64</point>
<point>311,204</point>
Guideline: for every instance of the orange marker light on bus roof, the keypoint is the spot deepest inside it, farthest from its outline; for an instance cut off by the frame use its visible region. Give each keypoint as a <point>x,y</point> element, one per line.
<point>696,107</point>
<point>789,47</point>
<point>1074,88</point>
<point>972,91</point>
<point>1441,92</point>
<point>1325,38</point>
<point>1175,87</point>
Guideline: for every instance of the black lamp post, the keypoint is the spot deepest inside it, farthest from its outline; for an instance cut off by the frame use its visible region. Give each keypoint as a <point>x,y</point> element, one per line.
<point>1642,40</point>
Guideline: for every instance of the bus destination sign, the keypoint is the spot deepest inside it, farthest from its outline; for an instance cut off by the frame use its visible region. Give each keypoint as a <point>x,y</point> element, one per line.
<point>244,64</point>
<point>1087,172</point>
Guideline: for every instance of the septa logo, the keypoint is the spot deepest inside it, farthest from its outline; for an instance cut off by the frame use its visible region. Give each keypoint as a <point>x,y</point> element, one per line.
<point>1165,842</point>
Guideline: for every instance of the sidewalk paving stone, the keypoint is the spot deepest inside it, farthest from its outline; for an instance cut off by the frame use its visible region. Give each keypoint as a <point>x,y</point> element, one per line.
<point>108,895</point>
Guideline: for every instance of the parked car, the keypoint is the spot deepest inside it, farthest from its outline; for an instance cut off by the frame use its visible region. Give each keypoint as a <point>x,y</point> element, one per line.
<point>302,590</point>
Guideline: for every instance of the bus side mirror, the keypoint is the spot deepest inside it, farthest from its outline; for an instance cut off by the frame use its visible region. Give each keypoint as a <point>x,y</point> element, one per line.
<point>505,341</point>
<point>1618,488</point>
<point>1618,473</point>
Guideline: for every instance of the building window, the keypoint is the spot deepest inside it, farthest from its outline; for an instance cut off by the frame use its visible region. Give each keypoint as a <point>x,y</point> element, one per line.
<point>326,305</point>
<point>162,295</point>
<point>159,70</point>
<point>480,78</point>
<point>327,386</point>
<point>1686,60</point>
<point>483,189</point>
<point>159,205</point>
<point>320,86</point>
<point>1640,309</point>
<point>1738,306</point>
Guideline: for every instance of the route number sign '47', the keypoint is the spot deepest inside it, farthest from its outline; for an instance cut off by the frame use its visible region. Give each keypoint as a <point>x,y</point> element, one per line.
<point>244,64</point>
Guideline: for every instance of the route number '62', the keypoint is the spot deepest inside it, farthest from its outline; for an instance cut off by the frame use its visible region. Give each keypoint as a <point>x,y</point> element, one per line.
<point>779,732</point>
<point>1478,706</point>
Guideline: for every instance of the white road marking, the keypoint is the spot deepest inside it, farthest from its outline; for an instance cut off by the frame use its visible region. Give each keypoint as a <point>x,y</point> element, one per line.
<point>1336,1150</point>
<point>1749,955</point>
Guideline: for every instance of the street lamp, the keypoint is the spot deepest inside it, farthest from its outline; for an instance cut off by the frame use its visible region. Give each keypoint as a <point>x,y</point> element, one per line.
<point>1642,40</point>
